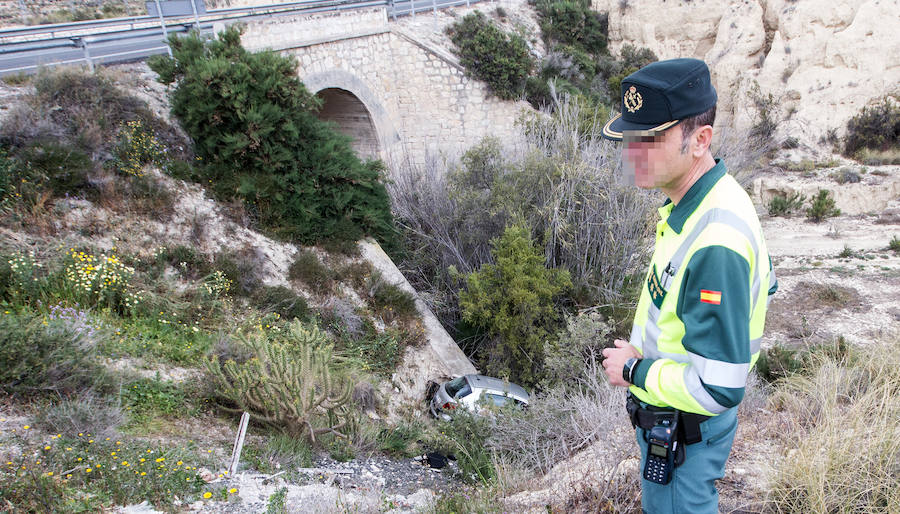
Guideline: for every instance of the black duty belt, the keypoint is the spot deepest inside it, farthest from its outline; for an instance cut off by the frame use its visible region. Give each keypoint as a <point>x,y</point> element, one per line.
<point>646,418</point>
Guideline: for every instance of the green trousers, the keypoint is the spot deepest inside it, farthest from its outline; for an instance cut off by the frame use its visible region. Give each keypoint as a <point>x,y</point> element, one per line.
<point>692,489</point>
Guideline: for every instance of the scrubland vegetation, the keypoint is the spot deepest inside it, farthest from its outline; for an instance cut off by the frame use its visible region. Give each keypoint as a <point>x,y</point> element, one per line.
<point>530,251</point>
<point>577,61</point>
<point>87,305</point>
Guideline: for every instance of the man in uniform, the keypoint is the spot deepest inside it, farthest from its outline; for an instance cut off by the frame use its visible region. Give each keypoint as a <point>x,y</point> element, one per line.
<point>702,307</point>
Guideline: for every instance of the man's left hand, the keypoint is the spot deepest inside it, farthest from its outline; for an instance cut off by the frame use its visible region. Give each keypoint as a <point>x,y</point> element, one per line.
<point>615,361</point>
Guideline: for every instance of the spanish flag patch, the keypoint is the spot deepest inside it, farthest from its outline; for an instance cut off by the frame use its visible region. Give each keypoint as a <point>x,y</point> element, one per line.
<point>713,297</point>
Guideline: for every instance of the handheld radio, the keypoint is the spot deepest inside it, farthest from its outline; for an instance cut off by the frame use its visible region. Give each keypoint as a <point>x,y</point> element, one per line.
<point>662,441</point>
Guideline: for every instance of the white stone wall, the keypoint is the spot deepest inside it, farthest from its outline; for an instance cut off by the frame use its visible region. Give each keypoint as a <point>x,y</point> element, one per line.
<point>281,32</point>
<point>418,95</point>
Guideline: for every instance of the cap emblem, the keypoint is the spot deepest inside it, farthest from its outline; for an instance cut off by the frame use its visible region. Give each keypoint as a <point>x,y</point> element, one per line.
<point>633,100</point>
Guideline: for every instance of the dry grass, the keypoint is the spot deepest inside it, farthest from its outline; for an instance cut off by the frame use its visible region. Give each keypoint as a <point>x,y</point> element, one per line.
<point>878,157</point>
<point>843,437</point>
<point>559,438</point>
<point>557,174</point>
<point>86,110</point>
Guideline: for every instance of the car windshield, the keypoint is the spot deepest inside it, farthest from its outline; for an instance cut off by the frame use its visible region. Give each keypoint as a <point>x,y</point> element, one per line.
<point>458,387</point>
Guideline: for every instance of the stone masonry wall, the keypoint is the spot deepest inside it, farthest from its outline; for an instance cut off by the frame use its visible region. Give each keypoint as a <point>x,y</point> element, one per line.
<point>418,95</point>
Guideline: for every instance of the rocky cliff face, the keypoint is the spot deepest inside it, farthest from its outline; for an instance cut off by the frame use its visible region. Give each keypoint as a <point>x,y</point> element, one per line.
<point>822,60</point>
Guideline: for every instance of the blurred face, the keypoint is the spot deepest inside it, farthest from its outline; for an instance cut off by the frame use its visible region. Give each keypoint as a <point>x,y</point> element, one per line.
<point>654,159</point>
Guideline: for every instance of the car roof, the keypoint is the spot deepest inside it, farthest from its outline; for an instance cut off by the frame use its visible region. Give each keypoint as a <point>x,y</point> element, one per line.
<point>498,385</point>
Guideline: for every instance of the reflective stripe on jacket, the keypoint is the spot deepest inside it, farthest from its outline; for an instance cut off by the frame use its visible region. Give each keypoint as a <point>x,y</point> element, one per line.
<point>702,309</point>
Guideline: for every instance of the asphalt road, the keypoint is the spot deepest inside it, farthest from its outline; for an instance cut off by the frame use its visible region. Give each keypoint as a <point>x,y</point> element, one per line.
<point>16,58</point>
<point>101,51</point>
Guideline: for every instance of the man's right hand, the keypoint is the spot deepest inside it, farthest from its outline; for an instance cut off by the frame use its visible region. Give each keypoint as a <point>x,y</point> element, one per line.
<point>615,361</point>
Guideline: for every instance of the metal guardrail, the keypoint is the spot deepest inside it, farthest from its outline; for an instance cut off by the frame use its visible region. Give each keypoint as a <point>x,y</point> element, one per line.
<point>133,22</point>
<point>60,38</point>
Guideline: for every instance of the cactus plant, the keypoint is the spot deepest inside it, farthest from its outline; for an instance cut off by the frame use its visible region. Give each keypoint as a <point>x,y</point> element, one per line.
<point>289,384</point>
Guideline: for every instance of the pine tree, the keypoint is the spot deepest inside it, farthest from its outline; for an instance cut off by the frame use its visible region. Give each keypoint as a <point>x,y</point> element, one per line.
<point>513,300</point>
<point>254,127</point>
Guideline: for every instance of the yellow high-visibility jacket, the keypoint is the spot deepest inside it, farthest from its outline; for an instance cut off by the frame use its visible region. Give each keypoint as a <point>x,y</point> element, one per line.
<point>702,309</point>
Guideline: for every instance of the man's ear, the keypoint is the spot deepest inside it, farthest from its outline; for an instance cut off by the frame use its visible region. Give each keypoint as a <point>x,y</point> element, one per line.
<point>701,140</point>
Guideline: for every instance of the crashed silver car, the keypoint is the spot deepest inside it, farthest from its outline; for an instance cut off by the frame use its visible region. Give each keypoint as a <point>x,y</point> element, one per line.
<point>472,391</point>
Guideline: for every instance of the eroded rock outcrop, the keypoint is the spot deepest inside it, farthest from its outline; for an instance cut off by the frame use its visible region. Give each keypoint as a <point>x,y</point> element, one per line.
<point>821,60</point>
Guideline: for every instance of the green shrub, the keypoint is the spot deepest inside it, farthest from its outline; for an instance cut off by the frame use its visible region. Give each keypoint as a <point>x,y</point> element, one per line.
<point>240,269</point>
<point>401,440</point>
<point>513,301</point>
<point>8,174</point>
<point>276,452</point>
<point>464,437</point>
<point>307,268</point>
<point>572,22</point>
<point>341,450</point>
<point>501,60</point>
<point>254,126</point>
<point>281,300</point>
<point>768,116</point>
<point>39,357</point>
<point>58,168</point>
<point>33,490</point>
<point>148,398</point>
<point>894,244</point>
<point>136,146</point>
<point>783,205</point>
<point>159,335</point>
<point>186,259</point>
<point>86,110</point>
<point>564,181</point>
<point>845,176</point>
<point>846,252</point>
<point>779,362</point>
<point>379,353</point>
<point>876,127</point>
<point>577,350</point>
<point>277,503</point>
<point>612,71</point>
<point>822,207</point>
<point>832,295</point>
<point>389,300</point>
<point>477,500</point>
<point>86,413</point>
<point>22,279</point>
<point>291,384</point>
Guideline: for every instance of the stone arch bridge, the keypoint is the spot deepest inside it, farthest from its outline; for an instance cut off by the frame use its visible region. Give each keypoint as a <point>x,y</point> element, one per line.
<point>397,95</point>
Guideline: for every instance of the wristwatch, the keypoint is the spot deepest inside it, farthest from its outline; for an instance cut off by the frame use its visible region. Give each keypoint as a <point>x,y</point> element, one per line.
<point>628,369</point>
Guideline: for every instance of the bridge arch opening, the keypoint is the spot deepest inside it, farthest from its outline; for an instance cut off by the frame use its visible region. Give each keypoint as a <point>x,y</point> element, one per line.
<point>352,118</point>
